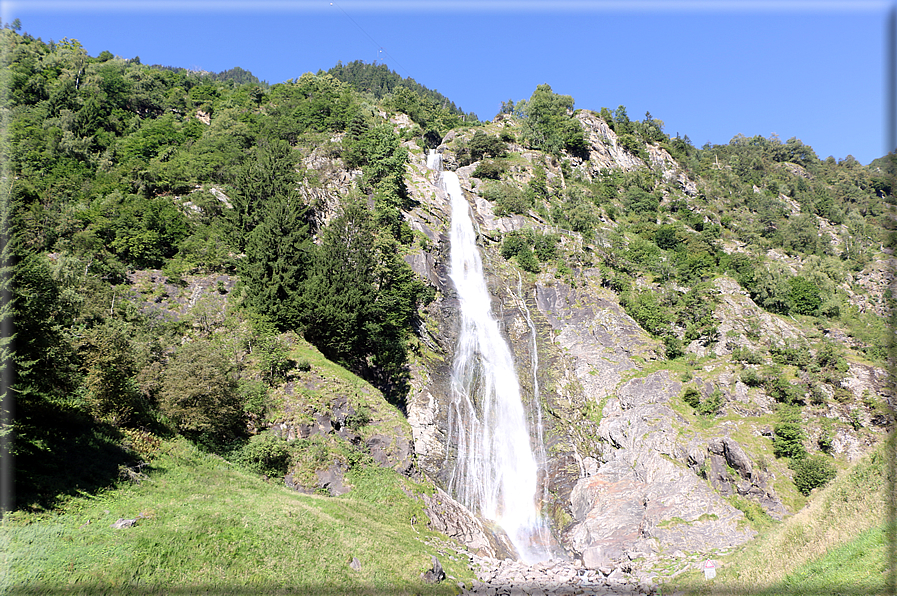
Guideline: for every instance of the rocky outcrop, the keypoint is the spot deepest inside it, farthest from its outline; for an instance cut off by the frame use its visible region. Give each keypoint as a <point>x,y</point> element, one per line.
<point>641,498</point>
<point>453,519</point>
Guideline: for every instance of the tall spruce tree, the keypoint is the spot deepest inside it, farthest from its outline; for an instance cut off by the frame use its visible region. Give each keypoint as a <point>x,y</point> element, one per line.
<point>278,252</point>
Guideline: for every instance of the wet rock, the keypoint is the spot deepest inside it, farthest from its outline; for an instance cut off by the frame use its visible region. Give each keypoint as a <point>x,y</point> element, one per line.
<point>450,517</point>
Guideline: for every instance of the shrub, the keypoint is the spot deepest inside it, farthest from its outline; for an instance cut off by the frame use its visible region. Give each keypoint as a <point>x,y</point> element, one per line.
<point>787,440</point>
<point>508,198</point>
<point>527,260</point>
<point>782,391</point>
<point>199,391</point>
<point>640,201</point>
<point>512,244</point>
<point>797,356</point>
<point>803,296</point>
<point>692,397</point>
<point>489,168</point>
<point>746,355</point>
<point>751,377</point>
<point>712,405</point>
<point>265,453</point>
<point>672,347</point>
<point>812,472</point>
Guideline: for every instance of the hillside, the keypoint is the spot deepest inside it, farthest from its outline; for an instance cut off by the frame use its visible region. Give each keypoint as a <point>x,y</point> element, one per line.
<point>262,273</point>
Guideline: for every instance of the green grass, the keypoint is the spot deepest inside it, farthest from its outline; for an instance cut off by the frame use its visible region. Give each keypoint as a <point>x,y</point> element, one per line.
<point>858,567</point>
<point>208,528</point>
<point>835,545</point>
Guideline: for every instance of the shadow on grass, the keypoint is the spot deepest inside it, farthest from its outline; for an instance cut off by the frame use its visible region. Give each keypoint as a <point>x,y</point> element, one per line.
<point>61,453</point>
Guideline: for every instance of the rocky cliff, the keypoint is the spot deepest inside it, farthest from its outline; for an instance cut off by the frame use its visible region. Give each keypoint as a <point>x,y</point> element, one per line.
<point>631,471</point>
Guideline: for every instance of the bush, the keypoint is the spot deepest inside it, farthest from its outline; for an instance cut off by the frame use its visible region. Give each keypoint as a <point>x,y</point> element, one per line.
<point>812,472</point>
<point>803,296</point>
<point>640,201</point>
<point>692,397</point>
<point>267,454</point>
<point>746,355</point>
<point>783,391</point>
<point>527,260</point>
<point>199,391</point>
<point>787,440</point>
<point>508,199</point>
<point>672,347</point>
<point>489,168</point>
<point>712,405</point>
<point>751,377</point>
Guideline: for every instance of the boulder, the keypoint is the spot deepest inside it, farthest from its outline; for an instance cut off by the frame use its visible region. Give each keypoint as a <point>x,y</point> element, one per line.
<point>331,479</point>
<point>435,574</point>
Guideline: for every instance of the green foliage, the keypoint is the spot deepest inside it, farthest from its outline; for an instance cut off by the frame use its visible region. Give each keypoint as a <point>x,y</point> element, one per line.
<point>782,390</point>
<point>359,300</point>
<point>278,253</point>
<point>199,392</point>
<point>480,145</point>
<point>507,198</point>
<point>812,472</point>
<point>490,168</point>
<point>751,377</point>
<point>712,405</point>
<point>692,397</point>
<point>255,399</point>
<point>789,434</point>
<point>646,309</point>
<point>746,355</point>
<point>378,152</point>
<point>706,407</point>
<point>265,453</point>
<point>803,296</point>
<point>274,359</point>
<point>110,368</point>
<point>312,103</point>
<point>640,202</point>
<point>265,174</point>
<point>798,356</point>
<point>577,212</point>
<point>547,125</point>
<point>667,237</point>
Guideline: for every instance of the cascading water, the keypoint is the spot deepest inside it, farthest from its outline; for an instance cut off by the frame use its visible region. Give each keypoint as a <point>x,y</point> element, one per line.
<point>495,472</point>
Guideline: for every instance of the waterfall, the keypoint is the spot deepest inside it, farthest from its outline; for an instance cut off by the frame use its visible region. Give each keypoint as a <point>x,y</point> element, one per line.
<point>495,472</point>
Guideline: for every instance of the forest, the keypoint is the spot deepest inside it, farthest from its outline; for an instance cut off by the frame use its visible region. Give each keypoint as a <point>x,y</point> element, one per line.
<point>113,169</point>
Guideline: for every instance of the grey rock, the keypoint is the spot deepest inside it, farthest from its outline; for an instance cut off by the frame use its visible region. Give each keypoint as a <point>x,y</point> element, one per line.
<point>435,574</point>
<point>331,479</point>
<point>355,564</point>
<point>392,451</point>
<point>124,523</point>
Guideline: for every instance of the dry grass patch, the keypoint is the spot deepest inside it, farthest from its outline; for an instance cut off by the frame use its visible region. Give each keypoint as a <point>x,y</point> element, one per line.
<point>838,515</point>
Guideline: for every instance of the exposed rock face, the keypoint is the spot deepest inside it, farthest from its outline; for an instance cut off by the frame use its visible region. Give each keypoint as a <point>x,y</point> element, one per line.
<point>453,519</point>
<point>641,499</point>
<point>618,477</point>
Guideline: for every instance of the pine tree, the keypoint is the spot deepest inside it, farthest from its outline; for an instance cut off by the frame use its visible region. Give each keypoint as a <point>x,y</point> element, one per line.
<point>278,252</point>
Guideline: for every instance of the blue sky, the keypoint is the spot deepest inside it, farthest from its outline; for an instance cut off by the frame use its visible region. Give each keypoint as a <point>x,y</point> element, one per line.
<point>710,69</point>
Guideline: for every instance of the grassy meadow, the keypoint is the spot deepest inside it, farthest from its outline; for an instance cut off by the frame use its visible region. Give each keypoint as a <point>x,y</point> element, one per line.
<point>207,527</point>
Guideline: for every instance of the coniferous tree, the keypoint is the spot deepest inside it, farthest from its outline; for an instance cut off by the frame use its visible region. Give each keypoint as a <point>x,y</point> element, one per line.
<point>278,253</point>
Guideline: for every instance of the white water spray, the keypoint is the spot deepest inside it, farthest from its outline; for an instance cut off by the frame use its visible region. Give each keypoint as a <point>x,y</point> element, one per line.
<point>495,472</point>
